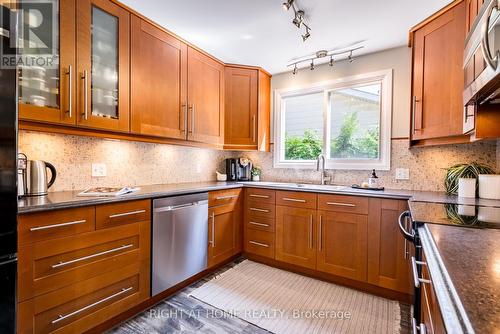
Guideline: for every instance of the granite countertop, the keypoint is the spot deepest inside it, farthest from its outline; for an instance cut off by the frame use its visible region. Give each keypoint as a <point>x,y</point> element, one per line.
<point>464,265</point>
<point>69,199</point>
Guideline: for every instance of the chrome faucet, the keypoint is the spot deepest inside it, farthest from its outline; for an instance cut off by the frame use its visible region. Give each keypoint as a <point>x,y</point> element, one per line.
<point>324,176</point>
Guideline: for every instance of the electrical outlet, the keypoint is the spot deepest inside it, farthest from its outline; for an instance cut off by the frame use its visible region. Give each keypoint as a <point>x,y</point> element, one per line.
<point>99,170</point>
<point>402,174</point>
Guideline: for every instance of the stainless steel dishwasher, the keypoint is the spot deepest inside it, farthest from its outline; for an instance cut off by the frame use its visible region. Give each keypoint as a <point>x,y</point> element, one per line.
<point>180,239</point>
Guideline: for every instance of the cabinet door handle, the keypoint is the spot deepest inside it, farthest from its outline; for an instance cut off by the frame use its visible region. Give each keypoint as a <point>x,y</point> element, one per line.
<point>258,244</point>
<point>259,196</point>
<point>414,112</point>
<point>259,224</point>
<point>226,197</point>
<point>46,227</point>
<point>212,242</point>
<point>62,317</point>
<point>117,215</point>
<point>341,204</point>
<point>70,91</point>
<point>183,122</point>
<point>311,232</point>
<point>417,280</point>
<point>294,200</point>
<point>259,210</point>
<point>320,232</point>
<point>193,111</point>
<point>418,329</point>
<point>254,128</point>
<point>85,95</point>
<point>83,258</point>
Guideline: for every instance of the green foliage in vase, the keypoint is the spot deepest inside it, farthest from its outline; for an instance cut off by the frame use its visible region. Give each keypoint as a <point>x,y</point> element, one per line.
<point>458,171</point>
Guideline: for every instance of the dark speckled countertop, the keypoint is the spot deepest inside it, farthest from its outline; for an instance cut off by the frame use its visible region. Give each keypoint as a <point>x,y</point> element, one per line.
<point>464,264</point>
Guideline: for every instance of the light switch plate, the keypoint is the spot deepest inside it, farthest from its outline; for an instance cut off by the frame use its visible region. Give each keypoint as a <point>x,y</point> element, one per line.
<point>402,174</point>
<point>99,170</point>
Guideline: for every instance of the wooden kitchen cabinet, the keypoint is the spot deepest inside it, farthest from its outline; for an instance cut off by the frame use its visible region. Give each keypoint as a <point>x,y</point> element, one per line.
<point>225,227</point>
<point>158,82</point>
<point>295,236</point>
<point>103,58</point>
<point>437,77</point>
<point>48,95</point>
<point>205,99</point>
<point>430,312</point>
<point>247,109</point>
<point>388,251</point>
<point>342,245</point>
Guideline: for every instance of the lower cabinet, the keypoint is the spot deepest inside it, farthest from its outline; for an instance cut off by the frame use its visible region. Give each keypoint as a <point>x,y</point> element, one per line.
<point>295,236</point>
<point>430,314</point>
<point>342,244</point>
<point>224,227</point>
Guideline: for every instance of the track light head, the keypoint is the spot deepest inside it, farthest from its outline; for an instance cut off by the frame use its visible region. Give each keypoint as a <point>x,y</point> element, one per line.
<point>295,69</point>
<point>312,65</point>
<point>297,21</point>
<point>330,63</point>
<point>350,58</point>
<point>306,35</point>
<point>287,4</point>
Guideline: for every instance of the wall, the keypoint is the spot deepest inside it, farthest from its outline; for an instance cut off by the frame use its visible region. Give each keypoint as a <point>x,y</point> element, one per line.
<point>128,163</point>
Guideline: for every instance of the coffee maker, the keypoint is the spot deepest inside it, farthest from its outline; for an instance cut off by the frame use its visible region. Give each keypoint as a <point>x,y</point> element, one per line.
<point>239,169</point>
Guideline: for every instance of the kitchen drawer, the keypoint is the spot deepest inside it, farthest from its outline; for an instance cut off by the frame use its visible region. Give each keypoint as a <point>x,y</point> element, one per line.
<point>222,197</point>
<point>260,243</point>
<point>260,224</point>
<point>258,209</point>
<point>42,226</point>
<point>342,203</point>
<point>50,265</point>
<point>296,199</point>
<point>261,195</point>
<point>122,213</point>
<point>84,305</point>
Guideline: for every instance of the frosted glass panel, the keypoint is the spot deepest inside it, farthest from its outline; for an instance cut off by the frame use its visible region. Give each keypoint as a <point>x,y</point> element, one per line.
<point>104,64</point>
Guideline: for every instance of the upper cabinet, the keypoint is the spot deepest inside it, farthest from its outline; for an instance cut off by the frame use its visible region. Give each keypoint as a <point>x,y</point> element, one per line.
<point>48,94</point>
<point>205,98</point>
<point>103,58</point>
<point>437,111</point>
<point>247,109</point>
<point>158,82</point>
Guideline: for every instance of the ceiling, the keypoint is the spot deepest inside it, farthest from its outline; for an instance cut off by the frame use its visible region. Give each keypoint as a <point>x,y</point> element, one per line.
<point>260,32</point>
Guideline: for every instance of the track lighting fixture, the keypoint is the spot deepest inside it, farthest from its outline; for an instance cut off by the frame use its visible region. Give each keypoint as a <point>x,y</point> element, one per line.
<point>299,17</point>
<point>287,4</point>
<point>321,54</point>
<point>307,34</point>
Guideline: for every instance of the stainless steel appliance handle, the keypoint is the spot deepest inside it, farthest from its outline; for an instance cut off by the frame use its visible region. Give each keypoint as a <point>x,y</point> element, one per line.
<point>213,230</point>
<point>259,196</point>
<point>85,95</point>
<point>226,197</point>
<point>294,200</point>
<point>259,224</point>
<point>406,235</point>
<point>259,210</point>
<point>178,207</point>
<point>70,90</point>
<point>320,237</point>
<point>418,329</point>
<point>258,244</point>
<point>117,215</point>
<point>341,204</point>
<point>46,227</point>
<point>485,43</point>
<point>62,317</point>
<point>83,258</point>
<point>417,280</point>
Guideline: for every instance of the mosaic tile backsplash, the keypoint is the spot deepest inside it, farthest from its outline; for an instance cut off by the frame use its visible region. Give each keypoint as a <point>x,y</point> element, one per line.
<point>135,163</point>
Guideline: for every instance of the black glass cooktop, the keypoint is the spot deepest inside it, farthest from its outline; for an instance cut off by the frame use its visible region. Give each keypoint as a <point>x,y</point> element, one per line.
<point>456,214</point>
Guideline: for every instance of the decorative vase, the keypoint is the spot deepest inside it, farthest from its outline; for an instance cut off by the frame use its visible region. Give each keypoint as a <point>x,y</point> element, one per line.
<point>255,178</point>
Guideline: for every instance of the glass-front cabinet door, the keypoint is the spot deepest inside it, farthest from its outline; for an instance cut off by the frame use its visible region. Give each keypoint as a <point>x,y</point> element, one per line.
<point>103,65</point>
<point>46,64</point>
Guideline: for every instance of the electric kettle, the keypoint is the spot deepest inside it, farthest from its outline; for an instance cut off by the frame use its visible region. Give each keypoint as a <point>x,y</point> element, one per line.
<point>36,177</point>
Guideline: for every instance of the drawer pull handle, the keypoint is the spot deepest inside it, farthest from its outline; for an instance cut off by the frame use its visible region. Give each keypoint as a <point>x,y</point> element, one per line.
<point>62,317</point>
<point>341,204</point>
<point>46,227</point>
<point>127,214</point>
<point>259,210</point>
<point>294,200</point>
<point>226,197</point>
<point>417,280</point>
<point>258,244</point>
<point>259,224</point>
<point>260,196</point>
<point>83,258</point>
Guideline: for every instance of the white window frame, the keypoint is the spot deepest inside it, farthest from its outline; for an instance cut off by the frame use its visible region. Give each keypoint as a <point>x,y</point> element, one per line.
<point>384,161</point>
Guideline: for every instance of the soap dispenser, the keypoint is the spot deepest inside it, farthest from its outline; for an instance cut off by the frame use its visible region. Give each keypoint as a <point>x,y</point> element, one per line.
<point>373,180</point>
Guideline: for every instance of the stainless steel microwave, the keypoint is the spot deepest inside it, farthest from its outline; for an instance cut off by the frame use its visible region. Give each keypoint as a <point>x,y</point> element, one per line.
<point>482,57</point>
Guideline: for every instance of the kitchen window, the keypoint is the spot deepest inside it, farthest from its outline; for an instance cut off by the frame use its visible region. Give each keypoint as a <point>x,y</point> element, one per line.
<point>348,120</point>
